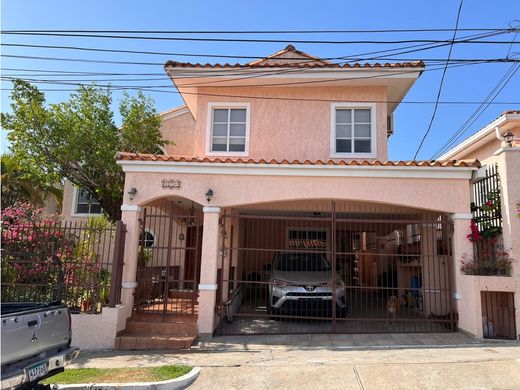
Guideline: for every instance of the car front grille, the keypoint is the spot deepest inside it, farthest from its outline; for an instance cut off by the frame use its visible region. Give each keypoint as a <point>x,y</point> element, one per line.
<point>309,294</point>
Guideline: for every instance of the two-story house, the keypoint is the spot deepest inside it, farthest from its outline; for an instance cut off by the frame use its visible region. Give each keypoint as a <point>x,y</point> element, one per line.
<point>276,210</point>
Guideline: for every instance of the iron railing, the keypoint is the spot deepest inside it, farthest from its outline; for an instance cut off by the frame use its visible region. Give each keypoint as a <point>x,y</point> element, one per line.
<point>80,260</point>
<point>336,267</point>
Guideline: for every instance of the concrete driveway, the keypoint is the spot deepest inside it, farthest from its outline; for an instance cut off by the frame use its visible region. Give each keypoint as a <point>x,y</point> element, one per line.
<point>411,361</point>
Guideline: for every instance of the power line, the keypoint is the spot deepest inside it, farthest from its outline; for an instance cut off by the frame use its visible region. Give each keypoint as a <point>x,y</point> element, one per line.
<point>408,30</point>
<point>448,102</point>
<point>287,41</point>
<point>479,111</point>
<point>162,53</point>
<point>72,82</point>
<point>441,83</point>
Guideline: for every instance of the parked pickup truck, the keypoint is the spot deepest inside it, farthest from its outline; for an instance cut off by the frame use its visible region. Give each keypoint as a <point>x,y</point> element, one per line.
<point>36,341</point>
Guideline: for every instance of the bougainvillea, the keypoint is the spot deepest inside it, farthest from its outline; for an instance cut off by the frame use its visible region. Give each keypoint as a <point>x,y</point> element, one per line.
<point>497,263</point>
<point>41,255</point>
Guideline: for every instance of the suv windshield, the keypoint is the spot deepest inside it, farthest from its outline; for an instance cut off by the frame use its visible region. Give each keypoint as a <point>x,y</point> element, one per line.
<point>301,262</point>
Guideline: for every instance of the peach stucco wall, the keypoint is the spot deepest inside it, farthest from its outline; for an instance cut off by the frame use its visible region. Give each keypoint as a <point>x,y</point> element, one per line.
<point>291,129</point>
<point>447,195</point>
<point>180,130</point>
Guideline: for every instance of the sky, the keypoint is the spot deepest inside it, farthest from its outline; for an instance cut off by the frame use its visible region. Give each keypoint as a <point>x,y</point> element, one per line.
<point>470,83</point>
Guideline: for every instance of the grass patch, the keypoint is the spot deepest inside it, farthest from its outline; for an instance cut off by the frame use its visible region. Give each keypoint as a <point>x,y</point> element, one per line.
<point>118,375</point>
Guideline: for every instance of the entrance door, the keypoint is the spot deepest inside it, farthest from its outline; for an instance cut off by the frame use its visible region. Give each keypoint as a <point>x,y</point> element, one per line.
<point>168,261</point>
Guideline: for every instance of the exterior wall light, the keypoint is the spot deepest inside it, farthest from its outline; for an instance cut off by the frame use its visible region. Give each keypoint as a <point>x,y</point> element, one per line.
<point>131,193</point>
<point>209,195</point>
<point>181,237</point>
<point>508,137</point>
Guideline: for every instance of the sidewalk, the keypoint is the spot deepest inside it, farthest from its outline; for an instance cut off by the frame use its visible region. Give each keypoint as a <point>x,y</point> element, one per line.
<point>389,361</point>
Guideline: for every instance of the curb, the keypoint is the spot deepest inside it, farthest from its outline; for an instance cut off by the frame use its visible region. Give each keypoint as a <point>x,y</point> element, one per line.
<point>181,382</point>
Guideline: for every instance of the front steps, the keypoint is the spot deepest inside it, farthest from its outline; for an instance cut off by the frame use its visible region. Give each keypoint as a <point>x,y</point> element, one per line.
<point>151,331</point>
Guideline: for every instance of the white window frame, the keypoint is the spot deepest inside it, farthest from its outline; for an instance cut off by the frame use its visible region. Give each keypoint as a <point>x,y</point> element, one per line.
<point>209,127</point>
<point>75,198</point>
<point>373,129</point>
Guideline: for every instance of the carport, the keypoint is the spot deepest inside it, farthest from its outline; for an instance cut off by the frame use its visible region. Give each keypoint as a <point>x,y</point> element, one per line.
<point>338,267</point>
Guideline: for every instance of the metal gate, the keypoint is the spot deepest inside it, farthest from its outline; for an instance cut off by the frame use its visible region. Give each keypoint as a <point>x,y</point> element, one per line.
<point>168,260</point>
<point>347,269</point>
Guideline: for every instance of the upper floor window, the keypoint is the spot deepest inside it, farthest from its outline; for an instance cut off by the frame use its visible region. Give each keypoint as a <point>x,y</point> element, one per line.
<point>86,203</point>
<point>353,132</point>
<point>228,128</point>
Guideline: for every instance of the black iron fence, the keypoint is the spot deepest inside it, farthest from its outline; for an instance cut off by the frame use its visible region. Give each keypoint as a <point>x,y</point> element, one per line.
<point>79,263</point>
<point>322,266</point>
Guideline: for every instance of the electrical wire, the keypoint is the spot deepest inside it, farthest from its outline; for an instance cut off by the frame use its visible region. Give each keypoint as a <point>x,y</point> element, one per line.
<point>441,83</point>
<point>287,41</point>
<point>479,111</point>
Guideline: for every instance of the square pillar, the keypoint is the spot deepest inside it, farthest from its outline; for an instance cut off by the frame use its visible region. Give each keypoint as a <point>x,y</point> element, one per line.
<point>130,217</point>
<point>208,271</point>
<point>467,296</point>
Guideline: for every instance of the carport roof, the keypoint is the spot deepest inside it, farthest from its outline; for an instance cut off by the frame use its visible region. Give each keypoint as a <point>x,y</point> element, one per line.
<point>122,156</point>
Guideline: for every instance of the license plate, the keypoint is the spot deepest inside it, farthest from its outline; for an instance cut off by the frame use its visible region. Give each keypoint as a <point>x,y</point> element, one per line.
<point>37,371</point>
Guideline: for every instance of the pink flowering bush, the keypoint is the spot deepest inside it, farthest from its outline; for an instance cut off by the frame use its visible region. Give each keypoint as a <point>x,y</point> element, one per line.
<point>32,246</point>
<point>497,263</point>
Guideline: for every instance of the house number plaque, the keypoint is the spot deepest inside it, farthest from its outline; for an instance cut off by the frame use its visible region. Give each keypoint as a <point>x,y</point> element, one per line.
<point>171,184</point>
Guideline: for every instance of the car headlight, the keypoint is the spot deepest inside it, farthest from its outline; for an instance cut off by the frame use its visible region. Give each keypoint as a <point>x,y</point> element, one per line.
<point>279,283</point>
<point>340,283</point>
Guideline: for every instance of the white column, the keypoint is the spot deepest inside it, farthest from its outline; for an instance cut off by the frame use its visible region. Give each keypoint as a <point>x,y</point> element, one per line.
<point>208,271</point>
<point>130,217</point>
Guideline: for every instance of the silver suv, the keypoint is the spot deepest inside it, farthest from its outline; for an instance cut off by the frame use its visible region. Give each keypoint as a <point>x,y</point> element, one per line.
<point>302,282</point>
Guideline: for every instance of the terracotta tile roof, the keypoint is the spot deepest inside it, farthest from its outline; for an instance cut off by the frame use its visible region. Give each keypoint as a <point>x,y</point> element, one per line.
<point>305,61</point>
<point>223,160</point>
<point>305,65</point>
<point>511,112</point>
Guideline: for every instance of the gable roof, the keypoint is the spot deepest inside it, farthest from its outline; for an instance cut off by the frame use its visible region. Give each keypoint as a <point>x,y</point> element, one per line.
<point>290,53</point>
<point>290,57</point>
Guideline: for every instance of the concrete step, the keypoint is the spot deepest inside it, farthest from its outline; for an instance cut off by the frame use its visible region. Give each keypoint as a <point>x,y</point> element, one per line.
<point>169,318</point>
<point>129,341</point>
<point>177,328</point>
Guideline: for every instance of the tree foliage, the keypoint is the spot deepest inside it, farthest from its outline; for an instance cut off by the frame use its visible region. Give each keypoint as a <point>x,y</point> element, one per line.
<point>19,186</point>
<point>77,140</point>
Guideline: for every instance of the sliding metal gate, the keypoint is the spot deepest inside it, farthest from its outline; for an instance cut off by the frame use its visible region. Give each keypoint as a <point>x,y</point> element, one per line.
<point>365,270</point>
<point>168,261</point>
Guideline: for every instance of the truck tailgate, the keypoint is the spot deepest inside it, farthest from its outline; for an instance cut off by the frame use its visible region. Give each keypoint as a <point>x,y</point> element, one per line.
<point>31,331</point>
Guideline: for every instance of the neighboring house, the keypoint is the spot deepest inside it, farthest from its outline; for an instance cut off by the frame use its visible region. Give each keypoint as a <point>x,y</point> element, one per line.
<point>497,147</point>
<point>286,159</point>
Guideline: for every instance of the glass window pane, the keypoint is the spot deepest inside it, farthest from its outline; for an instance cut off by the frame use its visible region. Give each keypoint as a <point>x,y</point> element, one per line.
<point>237,145</point>
<point>95,208</point>
<point>362,115</point>
<point>237,130</point>
<point>219,144</point>
<point>343,146</point>
<point>219,130</point>
<point>343,116</point>
<point>220,115</point>
<point>82,208</point>
<point>238,115</point>
<point>362,146</point>
<point>344,131</point>
<point>361,130</point>
<point>83,196</point>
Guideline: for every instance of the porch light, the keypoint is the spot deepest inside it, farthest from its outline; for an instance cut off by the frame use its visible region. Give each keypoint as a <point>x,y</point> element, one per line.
<point>209,195</point>
<point>181,237</point>
<point>508,137</point>
<point>131,193</point>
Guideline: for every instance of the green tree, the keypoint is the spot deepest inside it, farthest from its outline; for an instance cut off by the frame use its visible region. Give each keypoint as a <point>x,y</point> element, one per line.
<point>19,186</point>
<point>77,140</point>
